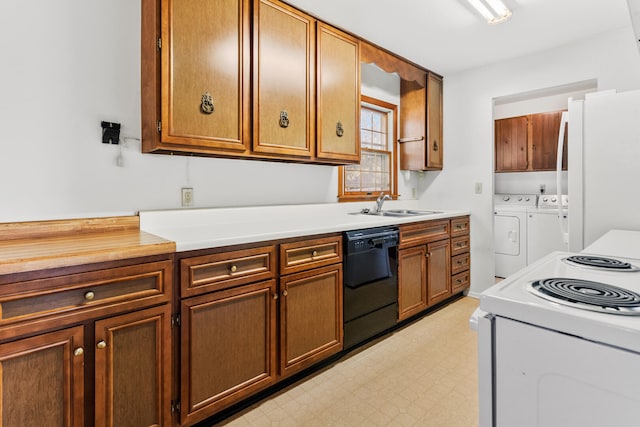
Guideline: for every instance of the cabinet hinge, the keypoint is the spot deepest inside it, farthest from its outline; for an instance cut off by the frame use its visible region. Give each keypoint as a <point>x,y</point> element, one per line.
<point>175,320</point>
<point>159,126</point>
<point>159,43</point>
<point>175,406</point>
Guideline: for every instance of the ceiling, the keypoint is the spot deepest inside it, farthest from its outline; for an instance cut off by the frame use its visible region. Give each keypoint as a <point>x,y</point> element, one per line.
<point>448,36</point>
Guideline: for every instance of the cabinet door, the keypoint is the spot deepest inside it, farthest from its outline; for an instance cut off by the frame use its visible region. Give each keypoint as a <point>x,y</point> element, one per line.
<point>205,75</point>
<point>283,71</point>
<point>228,348</point>
<point>412,281</point>
<point>438,271</point>
<point>133,369</point>
<point>338,86</point>
<point>421,123</point>
<point>544,141</point>
<point>310,317</point>
<point>434,123</point>
<point>43,380</point>
<point>511,136</point>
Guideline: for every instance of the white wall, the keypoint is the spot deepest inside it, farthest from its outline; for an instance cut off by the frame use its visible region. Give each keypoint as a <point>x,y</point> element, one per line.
<point>611,58</point>
<point>66,66</point>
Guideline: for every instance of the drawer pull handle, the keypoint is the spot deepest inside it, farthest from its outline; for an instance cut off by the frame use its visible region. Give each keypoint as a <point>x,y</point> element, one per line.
<point>89,296</point>
<point>459,262</point>
<point>233,269</point>
<point>459,281</point>
<point>459,245</point>
<point>275,296</point>
<point>101,345</point>
<point>314,254</point>
<point>78,351</point>
<point>284,293</point>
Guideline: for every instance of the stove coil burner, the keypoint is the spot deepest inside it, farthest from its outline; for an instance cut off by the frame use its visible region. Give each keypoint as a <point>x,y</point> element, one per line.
<point>588,295</point>
<point>600,263</point>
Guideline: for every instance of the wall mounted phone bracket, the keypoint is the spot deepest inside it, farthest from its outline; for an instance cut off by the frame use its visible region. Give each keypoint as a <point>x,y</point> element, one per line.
<point>110,133</point>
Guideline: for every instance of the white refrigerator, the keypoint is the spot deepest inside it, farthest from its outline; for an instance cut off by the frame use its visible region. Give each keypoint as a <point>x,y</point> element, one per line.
<point>604,166</point>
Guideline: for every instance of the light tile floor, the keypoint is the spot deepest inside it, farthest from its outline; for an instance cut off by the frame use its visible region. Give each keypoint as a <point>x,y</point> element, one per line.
<point>422,375</point>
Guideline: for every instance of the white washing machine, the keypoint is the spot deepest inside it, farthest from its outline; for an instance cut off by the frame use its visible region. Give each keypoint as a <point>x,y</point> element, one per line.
<point>510,231</point>
<point>545,227</point>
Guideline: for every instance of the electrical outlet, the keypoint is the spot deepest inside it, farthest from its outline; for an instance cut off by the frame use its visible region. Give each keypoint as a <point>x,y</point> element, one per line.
<point>187,197</point>
<point>478,188</point>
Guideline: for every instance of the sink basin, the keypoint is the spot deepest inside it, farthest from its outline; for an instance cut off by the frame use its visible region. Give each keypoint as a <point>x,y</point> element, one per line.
<point>399,212</point>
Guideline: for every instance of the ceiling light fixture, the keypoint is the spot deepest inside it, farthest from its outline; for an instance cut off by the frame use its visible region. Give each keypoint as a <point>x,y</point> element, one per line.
<point>494,11</point>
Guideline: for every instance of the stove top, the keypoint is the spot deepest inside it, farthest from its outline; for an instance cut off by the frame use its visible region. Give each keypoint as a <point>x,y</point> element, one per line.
<point>588,295</point>
<point>601,263</point>
<point>557,293</point>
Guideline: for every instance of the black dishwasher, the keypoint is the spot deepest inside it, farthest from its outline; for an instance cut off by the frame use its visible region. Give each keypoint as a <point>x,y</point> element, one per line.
<point>370,283</point>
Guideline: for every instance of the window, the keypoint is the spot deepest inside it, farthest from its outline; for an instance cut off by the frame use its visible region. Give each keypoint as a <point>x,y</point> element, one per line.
<point>376,172</point>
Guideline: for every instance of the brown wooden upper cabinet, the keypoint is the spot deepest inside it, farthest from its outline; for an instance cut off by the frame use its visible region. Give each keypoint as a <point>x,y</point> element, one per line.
<point>238,78</point>
<point>528,143</point>
<point>283,77</point>
<point>421,145</point>
<point>204,78</point>
<point>338,83</point>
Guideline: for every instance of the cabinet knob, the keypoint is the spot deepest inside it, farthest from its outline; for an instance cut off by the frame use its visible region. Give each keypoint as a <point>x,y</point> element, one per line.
<point>435,145</point>
<point>78,351</point>
<point>101,345</point>
<point>284,119</point>
<point>339,129</point>
<point>284,293</point>
<point>428,254</point>
<point>275,296</point>
<point>233,268</point>
<point>206,103</point>
<point>314,254</point>
<point>89,296</point>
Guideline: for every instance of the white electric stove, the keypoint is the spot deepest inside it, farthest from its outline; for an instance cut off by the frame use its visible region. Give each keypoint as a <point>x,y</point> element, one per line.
<point>559,344</point>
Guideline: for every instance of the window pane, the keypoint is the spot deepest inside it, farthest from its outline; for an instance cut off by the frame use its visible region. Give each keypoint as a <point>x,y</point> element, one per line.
<point>366,118</point>
<point>365,138</point>
<point>352,180</point>
<point>377,121</point>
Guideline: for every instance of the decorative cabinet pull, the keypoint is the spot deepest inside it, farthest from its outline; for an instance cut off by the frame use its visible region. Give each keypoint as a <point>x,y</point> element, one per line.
<point>89,296</point>
<point>459,262</point>
<point>459,245</point>
<point>101,345</point>
<point>314,254</point>
<point>284,293</point>
<point>435,145</point>
<point>78,351</point>
<point>459,281</point>
<point>339,129</point>
<point>428,254</point>
<point>206,103</point>
<point>233,268</point>
<point>284,119</point>
<point>275,296</point>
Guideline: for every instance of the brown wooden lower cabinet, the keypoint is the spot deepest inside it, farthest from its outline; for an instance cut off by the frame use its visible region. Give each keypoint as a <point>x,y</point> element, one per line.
<point>412,281</point>
<point>438,271</point>
<point>133,369</point>
<point>310,317</point>
<point>228,348</point>
<point>42,380</point>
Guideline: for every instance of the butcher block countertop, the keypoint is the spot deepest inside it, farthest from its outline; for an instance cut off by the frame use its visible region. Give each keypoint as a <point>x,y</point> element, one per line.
<point>37,245</point>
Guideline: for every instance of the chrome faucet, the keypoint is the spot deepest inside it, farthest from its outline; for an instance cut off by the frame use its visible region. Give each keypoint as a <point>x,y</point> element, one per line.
<point>379,201</point>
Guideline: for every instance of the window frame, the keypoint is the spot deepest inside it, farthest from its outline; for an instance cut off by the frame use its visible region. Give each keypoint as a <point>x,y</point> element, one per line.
<point>392,131</point>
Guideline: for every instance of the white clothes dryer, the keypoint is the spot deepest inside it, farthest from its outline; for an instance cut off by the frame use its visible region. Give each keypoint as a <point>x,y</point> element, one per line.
<point>510,231</point>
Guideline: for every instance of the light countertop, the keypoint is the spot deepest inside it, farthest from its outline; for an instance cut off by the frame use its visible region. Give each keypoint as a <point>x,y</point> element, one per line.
<point>193,229</point>
<point>616,243</point>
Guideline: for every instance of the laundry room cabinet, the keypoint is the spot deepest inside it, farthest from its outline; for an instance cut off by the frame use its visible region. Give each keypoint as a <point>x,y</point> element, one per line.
<point>528,143</point>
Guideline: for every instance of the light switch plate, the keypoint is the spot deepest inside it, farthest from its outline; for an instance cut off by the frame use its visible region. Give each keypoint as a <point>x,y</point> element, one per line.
<point>478,188</point>
<point>187,197</point>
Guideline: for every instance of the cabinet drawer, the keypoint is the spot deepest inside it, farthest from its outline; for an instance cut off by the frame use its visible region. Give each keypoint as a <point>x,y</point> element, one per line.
<point>459,245</point>
<point>423,232</point>
<point>30,300</point>
<point>459,226</point>
<point>227,269</point>
<point>306,254</point>
<point>460,263</point>
<point>460,281</point>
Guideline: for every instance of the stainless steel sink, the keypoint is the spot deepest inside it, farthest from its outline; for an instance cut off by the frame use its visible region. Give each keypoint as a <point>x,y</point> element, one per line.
<point>398,212</point>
